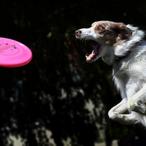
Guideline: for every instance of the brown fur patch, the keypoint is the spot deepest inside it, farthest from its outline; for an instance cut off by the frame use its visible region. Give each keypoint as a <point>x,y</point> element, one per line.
<point>113,32</point>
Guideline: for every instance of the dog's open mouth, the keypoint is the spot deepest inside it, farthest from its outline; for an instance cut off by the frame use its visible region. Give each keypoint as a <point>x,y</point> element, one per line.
<point>92,50</point>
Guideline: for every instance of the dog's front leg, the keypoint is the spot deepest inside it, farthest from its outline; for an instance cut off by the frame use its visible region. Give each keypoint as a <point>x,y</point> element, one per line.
<point>132,118</point>
<point>115,112</point>
<point>138,101</point>
<point>121,114</point>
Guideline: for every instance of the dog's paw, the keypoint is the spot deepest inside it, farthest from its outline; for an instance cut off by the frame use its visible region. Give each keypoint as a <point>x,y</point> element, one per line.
<point>138,106</point>
<point>112,115</point>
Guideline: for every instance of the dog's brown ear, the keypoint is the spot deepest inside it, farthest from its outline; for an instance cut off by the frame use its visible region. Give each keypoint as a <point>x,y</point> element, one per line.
<point>122,31</point>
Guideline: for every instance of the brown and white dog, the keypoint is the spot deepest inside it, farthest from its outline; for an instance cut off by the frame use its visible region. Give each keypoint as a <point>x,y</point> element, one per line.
<point>123,47</point>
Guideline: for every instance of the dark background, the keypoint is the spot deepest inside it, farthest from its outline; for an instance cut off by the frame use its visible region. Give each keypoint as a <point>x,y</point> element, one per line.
<point>58,98</point>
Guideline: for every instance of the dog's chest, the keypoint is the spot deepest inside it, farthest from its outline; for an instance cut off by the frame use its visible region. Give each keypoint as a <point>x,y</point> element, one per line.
<point>128,68</point>
<point>129,75</point>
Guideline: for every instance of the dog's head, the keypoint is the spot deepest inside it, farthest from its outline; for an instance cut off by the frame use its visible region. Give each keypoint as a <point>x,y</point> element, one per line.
<point>102,37</point>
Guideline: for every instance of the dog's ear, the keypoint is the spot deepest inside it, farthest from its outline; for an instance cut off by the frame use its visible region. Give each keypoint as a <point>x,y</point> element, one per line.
<point>122,31</point>
<point>123,34</point>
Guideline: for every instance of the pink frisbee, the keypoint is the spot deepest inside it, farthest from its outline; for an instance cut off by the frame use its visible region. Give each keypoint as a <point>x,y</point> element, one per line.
<point>13,53</point>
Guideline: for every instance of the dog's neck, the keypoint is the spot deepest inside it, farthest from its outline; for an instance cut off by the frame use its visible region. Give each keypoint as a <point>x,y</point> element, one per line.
<point>123,48</point>
<point>119,58</point>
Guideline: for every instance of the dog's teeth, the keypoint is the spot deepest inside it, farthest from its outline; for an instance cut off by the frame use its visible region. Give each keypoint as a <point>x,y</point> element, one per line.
<point>90,57</point>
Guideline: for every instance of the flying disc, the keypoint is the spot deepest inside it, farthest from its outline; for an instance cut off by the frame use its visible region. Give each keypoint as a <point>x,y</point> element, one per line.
<point>13,53</point>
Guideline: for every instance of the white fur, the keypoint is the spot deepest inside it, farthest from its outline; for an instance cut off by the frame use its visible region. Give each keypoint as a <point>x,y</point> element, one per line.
<point>88,33</point>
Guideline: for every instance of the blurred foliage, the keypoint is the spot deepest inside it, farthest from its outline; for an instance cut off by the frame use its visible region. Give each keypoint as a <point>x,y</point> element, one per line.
<point>58,98</point>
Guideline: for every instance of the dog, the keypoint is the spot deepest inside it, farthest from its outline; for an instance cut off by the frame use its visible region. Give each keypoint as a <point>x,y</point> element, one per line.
<point>122,46</point>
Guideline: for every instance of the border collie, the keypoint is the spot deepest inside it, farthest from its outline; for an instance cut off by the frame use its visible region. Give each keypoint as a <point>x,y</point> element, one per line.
<point>123,47</point>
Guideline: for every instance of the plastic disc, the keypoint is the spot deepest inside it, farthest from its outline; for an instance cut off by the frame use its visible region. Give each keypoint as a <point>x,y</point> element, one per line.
<point>13,53</point>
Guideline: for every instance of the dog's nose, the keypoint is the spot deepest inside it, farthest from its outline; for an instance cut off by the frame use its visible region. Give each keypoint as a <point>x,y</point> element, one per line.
<point>78,33</point>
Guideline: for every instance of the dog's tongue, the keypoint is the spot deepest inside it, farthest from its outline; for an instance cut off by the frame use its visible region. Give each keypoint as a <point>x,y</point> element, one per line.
<point>90,57</point>
<point>93,50</point>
